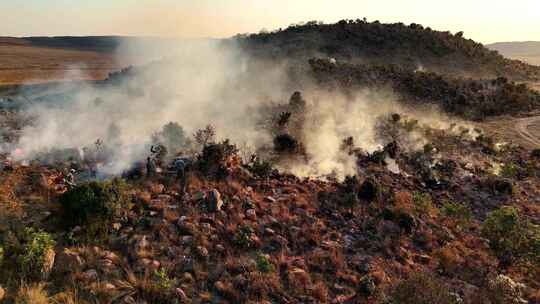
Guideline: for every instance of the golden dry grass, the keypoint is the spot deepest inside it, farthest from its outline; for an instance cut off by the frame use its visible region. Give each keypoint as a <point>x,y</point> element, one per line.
<point>23,63</point>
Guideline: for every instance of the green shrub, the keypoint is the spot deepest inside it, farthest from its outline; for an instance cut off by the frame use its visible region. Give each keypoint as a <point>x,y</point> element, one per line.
<point>422,202</point>
<point>93,202</point>
<point>162,281</point>
<point>422,288</point>
<point>263,264</point>
<point>509,235</point>
<point>32,258</point>
<point>260,168</point>
<point>458,212</point>
<point>242,238</point>
<point>509,170</point>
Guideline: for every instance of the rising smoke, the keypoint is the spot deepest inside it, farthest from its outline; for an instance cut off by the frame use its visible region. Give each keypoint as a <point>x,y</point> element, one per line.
<point>204,82</point>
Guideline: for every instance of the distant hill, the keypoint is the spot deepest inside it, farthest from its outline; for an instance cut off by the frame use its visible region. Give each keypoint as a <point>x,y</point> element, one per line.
<point>409,46</point>
<point>528,51</point>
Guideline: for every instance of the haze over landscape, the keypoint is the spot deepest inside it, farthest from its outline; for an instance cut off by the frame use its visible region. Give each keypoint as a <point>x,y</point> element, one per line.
<point>383,152</point>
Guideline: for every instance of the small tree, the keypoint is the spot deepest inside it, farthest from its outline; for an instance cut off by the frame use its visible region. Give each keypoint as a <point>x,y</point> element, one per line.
<point>205,136</point>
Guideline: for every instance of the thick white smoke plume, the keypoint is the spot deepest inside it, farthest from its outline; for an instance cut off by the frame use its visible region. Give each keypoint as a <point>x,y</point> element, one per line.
<point>203,83</point>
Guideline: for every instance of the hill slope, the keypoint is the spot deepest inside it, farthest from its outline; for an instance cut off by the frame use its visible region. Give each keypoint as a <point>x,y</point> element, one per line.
<point>528,51</point>
<point>412,47</point>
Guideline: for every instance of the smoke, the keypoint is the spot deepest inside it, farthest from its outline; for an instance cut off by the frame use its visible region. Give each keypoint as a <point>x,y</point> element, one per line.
<point>202,82</point>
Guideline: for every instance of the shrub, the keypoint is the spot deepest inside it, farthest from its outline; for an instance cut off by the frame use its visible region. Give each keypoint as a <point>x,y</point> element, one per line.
<point>94,201</point>
<point>422,202</point>
<point>260,168</point>
<point>263,264</point>
<point>509,170</point>
<point>33,294</point>
<point>511,236</point>
<point>213,159</point>
<point>162,281</point>
<point>458,212</point>
<point>33,258</point>
<point>242,238</point>
<point>95,205</point>
<point>422,288</point>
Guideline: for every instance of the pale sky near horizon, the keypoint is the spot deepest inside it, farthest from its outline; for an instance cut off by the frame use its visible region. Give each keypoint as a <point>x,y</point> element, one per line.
<point>482,20</point>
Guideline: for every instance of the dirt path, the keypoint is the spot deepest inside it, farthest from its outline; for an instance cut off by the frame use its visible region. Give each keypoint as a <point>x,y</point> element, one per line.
<point>526,127</point>
<point>522,131</point>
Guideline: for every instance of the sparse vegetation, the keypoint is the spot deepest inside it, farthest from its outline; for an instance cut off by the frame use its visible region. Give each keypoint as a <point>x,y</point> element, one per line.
<point>94,206</point>
<point>34,259</point>
<point>512,236</point>
<point>422,288</point>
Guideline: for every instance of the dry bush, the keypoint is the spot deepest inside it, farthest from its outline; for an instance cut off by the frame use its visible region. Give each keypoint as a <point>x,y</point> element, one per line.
<point>422,288</point>
<point>320,292</point>
<point>32,294</point>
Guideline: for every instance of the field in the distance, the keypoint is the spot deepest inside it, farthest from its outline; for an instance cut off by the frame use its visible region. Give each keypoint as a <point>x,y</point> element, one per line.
<point>24,61</point>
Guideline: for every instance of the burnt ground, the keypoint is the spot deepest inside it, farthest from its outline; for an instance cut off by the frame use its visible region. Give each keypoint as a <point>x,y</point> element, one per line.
<point>240,237</point>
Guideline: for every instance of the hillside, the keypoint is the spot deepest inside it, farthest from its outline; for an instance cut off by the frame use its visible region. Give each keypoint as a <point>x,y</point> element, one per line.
<point>527,51</point>
<point>413,47</point>
<point>468,98</point>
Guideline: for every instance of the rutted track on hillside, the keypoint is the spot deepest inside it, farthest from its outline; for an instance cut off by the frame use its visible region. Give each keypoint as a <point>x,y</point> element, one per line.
<point>523,129</point>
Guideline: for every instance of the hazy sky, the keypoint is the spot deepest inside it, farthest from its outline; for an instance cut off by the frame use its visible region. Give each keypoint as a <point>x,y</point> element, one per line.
<point>482,20</point>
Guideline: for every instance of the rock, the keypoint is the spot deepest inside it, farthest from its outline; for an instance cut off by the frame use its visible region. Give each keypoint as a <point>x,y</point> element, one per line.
<point>90,275</point>
<point>422,258</point>
<point>109,286</point>
<point>141,248</point>
<point>269,232</point>
<point>202,251</point>
<point>270,199</point>
<point>68,261</point>
<point>109,255</point>
<point>214,201</point>
<point>181,295</point>
<point>186,240</point>
<point>2,294</point>
<point>199,196</point>
<point>251,214</point>
<point>157,188</point>
<point>220,248</point>
<point>507,289</point>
